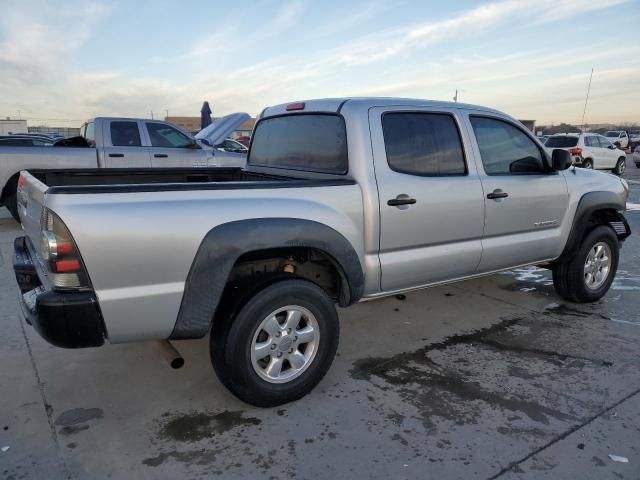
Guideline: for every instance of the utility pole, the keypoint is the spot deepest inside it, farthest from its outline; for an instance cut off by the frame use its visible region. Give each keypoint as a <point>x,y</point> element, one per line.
<point>455,97</point>
<point>586,100</point>
<point>167,112</point>
<point>151,114</point>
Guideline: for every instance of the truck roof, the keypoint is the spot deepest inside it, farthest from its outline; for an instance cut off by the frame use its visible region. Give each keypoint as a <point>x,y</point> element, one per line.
<point>336,104</point>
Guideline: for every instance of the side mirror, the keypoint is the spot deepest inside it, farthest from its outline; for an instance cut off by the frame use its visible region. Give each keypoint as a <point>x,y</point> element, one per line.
<point>560,159</point>
<point>617,144</point>
<point>612,147</point>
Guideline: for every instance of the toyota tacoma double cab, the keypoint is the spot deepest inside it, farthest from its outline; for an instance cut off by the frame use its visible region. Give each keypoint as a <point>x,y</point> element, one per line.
<point>342,200</point>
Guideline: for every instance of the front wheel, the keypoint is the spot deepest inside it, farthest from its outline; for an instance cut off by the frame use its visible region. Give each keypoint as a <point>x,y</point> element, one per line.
<point>620,166</point>
<point>588,276</point>
<point>279,345</point>
<point>588,163</point>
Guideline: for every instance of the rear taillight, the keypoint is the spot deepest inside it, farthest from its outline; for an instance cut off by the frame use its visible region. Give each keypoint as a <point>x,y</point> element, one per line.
<point>575,151</point>
<point>61,254</point>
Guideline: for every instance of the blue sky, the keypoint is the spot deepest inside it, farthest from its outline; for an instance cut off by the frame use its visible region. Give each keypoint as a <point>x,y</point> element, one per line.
<point>73,60</point>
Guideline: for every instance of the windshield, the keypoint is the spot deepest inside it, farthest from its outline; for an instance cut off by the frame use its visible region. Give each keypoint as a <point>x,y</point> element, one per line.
<point>613,134</point>
<point>561,142</point>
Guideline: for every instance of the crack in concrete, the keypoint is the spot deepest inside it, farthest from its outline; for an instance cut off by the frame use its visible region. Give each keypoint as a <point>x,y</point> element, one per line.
<point>564,435</point>
<point>45,403</point>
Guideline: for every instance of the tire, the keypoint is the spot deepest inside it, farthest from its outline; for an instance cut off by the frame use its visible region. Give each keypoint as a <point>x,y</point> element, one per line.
<point>12,206</point>
<point>232,344</point>
<point>588,163</point>
<point>571,280</point>
<point>620,166</point>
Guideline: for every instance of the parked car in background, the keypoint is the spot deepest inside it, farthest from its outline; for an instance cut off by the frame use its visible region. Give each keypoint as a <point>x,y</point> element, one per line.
<point>245,140</point>
<point>342,200</point>
<point>634,140</point>
<point>619,138</point>
<point>230,145</point>
<point>121,143</point>
<point>590,150</point>
<point>543,138</point>
<point>24,141</point>
<point>636,156</point>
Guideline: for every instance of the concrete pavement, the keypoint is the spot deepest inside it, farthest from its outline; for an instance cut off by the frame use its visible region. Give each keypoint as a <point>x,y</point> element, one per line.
<point>490,378</point>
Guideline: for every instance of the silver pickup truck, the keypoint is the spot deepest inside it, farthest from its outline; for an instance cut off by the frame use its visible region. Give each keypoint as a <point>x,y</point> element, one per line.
<point>123,143</point>
<point>343,200</point>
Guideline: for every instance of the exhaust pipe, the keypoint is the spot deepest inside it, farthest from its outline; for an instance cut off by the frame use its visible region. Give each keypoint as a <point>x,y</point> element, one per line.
<point>170,354</point>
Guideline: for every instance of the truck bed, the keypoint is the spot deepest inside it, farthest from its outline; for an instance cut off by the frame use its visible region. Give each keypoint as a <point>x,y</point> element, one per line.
<point>108,180</point>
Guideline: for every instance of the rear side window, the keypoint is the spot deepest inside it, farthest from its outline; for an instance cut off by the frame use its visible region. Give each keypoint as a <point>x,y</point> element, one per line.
<point>561,142</point>
<point>505,149</point>
<point>125,134</point>
<point>425,144</point>
<point>314,143</point>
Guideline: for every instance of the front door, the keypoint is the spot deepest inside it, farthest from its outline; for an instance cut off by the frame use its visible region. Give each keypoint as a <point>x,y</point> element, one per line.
<point>525,202</point>
<point>608,153</point>
<point>431,207</point>
<point>169,147</point>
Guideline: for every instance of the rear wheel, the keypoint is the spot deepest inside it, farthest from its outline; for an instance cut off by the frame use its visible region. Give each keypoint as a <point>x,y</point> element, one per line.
<point>620,166</point>
<point>588,163</point>
<point>279,345</point>
<point>589,274</point>
<point>12,206</point>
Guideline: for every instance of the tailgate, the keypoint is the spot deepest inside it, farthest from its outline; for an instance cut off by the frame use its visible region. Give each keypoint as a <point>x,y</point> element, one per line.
<point>31,197</point>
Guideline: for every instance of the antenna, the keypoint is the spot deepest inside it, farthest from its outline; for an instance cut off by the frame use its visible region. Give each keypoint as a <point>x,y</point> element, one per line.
<point>455,97</point>
<point>586,100</point>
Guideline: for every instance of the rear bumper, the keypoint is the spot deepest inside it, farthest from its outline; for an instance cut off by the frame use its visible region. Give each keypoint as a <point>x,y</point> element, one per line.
<point>64,319</point>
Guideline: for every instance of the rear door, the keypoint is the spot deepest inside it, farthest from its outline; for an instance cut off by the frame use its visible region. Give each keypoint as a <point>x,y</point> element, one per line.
<point>431,207</point>
<point>169,147</point>
<point>123,144</point>
<point>524,202</point>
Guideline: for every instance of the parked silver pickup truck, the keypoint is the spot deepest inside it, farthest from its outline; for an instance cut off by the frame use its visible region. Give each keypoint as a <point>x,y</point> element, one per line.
<point>343,200</point>
<point>124,143</point>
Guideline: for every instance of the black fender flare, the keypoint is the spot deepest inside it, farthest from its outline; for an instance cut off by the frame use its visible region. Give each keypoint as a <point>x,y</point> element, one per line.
<point>224,244</point>
<point>589,203</point>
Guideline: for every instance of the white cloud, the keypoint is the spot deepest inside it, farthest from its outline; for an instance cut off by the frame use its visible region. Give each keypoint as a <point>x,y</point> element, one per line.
<point>39,77</point>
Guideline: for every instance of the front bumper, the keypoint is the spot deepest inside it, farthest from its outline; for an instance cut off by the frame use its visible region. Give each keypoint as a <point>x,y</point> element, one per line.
<point>64,319</point>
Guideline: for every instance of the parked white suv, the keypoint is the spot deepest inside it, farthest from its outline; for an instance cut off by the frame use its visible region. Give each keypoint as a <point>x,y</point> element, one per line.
<point>619,138</point>
<point>589,150</point>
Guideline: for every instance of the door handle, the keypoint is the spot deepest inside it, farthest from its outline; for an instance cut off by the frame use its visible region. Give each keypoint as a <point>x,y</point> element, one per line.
<point>116,155</point>
<point>401,200</point>
<point>497,193</point>
<point>160,155</point>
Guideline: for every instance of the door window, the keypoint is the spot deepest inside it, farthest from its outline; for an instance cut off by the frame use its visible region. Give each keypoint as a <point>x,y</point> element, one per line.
<point>505,149</point>
<point>591,141</point>
<point>162,135</point>
<point>604,142</point>
<point>125,134</point>
<point>424,144</point>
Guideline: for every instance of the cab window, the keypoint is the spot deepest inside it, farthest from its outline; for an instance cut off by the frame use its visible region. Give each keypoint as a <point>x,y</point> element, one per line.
<point>162,135</point>
<point>505,149</point>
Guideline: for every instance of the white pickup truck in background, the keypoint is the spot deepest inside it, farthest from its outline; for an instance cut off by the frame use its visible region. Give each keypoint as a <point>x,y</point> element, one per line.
<point>124,143</point>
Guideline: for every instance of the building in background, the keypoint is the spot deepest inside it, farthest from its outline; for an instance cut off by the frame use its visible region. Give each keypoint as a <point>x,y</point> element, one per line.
<point>9,126</point>
<point>66,132</point>
<point>530,124</point>
<point>192,125</point>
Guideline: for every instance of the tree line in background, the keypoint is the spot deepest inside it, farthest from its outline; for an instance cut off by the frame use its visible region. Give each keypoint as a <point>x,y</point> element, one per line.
<point>568,128</point>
